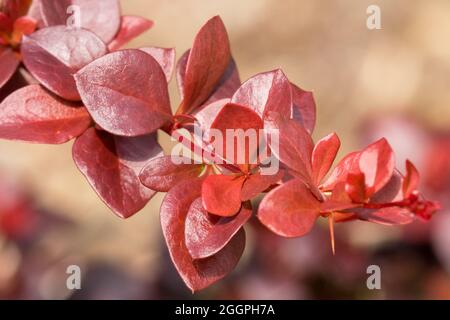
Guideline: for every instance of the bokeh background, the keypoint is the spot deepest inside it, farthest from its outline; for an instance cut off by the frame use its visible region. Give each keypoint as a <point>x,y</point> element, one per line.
<point>391,82</point>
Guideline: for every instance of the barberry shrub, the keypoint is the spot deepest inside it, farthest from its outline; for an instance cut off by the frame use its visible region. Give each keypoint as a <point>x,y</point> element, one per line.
<point>79,85</point>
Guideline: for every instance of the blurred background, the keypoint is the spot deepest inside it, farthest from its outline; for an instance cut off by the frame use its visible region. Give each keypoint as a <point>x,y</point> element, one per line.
<point>392,82</point>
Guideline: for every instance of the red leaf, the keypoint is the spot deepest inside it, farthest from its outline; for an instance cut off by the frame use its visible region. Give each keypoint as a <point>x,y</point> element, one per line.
<point>390,192</point>
<point>201,273</point>
<point>100,17</point>
<point>411,180</point>
<point>23,26</point>
<point>16,8</point>
<point>207,62</point>
<point>162,174</point>
<point>205,234</point>
<point>390,216</point>
<point>303,108</point>
<point>125,92</point>
<point>8,64</point>
<point>130,28</point>
<point>244,148</point>
<point>377,162</point>
<point>208,114</point>
<point>165,58</point>
<point>257,183</point>
<point>35,115</point>
<point>349,164</point>
<point>221,194</point>
<point>355,187</point>
<point>266,93</point>
<point>289,210</point>
<point>295,148</point>
<point>323,156</point>
<point>112,164</point>
<point>54,55</point>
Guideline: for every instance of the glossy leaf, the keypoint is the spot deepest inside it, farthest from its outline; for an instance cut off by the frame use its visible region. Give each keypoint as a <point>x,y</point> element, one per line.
<point>242,149</point>
<point>162,174</point>
<point>165,58</point>
<point>8,64</point>
<point>289,210</point>
<point>355,187</point>
<point>257,183</point>
<point>303,108</point>
<point>197,274</point>
<point>221,194</point>
<point>54,55</point>
<point>206,64</point>
<point>22,26</point>
<point>125,92</point>
<point>130,28</point>
<point>349,164</point>
<point>112,165</point>
<point>377,162</point>
<point>206,234</point>
<point>101,17</point>
<point>323,156</point>
<point>35,115</point>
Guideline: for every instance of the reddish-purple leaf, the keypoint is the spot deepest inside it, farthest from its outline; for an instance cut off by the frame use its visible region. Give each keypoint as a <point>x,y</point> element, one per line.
<point>125,92</point>
<point>411,180</point>
<point>377,162</point>
<point>392,191</point>
<point>162,174</point>
<point>289,210</point>
<point>257,183</point>
<point>101,17</point>
<point>32,114</point>
<point>130,28</point>
<point>355,187</point>
<point>8,64</point>
<point>165,57</point>
<point>221,194</point>
<point>112,164</point>
<point>242,148</point>
<point>323,156</point>
<point>53,55</point>
<point>197,274</point>
<point>303,108</point>
<point>206,234</point>
<point>207,62</point>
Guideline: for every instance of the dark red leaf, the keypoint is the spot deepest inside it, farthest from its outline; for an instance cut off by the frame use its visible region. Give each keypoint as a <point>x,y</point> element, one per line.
<point>201,273</point>
<point>323,156</point>
<point>112,164</point>
<point>392,191</point>
<point>130,28</point>
<point>205,234</point>
<point>22,26</point>
<point>377,162</point>
<point>257,183</point>
<point>35,115</point>
<point>289,210</point>
<point>16,8</point>
<point>242,150</point>
<point>8,64</point>
<point>207,62</point>
<point>221,194</point>
<point>54,55</point>
<point>411,180</point>
<point>162,174</point>
<point>101,17</point>
<point>165,57</point>
<point>125,92</point>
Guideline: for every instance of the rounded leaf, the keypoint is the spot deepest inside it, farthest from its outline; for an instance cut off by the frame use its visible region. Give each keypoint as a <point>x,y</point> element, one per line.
<point>101,17</point>
<point>35,115</point>
<point>206,234</point>
<point>130,28</point>
<point>221,194</point>
<point>125,92</point>
<point>53,55</point>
